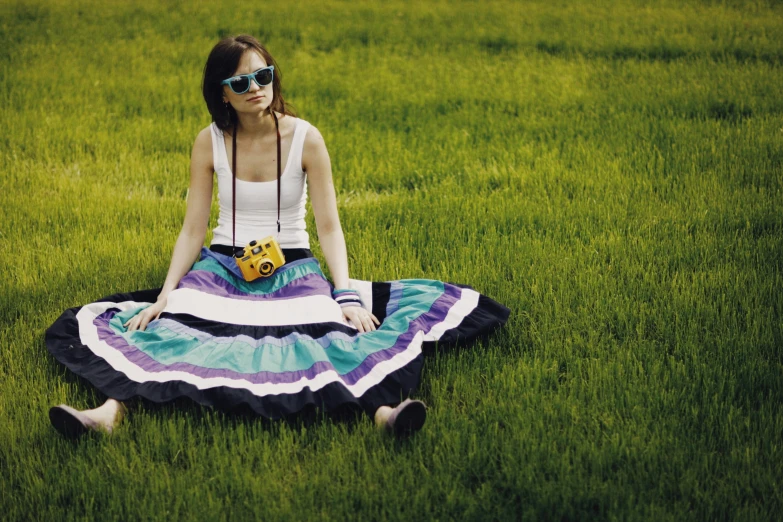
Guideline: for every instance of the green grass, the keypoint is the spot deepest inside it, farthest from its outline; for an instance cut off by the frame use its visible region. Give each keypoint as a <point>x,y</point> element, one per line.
<point>611,171</point>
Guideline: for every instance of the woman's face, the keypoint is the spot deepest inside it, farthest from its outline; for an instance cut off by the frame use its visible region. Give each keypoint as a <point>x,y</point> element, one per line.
<point>256,99</point>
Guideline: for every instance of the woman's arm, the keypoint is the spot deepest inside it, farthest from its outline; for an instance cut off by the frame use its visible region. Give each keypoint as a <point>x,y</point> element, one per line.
<point>194,228</point>
<point>315,161</point>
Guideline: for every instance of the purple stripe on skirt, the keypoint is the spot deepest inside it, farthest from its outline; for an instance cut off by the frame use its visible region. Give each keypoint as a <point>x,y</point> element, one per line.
<point>436,314</point>
<point>211,283</point>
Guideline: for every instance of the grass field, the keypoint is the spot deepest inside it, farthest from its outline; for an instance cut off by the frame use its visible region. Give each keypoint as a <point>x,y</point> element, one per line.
<point>611,171</point>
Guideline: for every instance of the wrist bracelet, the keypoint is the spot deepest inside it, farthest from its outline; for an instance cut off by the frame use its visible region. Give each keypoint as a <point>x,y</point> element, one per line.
<point>346,297</point>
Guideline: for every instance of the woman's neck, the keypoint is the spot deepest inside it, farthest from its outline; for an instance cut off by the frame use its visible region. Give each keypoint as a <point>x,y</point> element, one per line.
<point>260,124</point>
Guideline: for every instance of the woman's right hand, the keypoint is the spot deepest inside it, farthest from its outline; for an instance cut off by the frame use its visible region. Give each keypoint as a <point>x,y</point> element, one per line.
<point>142,319</point>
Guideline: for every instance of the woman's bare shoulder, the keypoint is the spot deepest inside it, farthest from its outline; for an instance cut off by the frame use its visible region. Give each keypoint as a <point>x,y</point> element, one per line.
<point>313,138</point>
<point>202,148</point>
<point>204,136</point>
<point>315,157</point>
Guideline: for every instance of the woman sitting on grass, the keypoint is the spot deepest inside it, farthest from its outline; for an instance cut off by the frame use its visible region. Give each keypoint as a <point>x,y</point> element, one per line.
<point>277,345</point>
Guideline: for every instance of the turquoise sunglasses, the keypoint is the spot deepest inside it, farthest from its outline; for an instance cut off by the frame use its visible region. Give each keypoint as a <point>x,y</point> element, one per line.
<point>241,84</point>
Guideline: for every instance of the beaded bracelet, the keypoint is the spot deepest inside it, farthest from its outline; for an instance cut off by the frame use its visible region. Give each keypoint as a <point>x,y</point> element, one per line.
<point>346,297</point>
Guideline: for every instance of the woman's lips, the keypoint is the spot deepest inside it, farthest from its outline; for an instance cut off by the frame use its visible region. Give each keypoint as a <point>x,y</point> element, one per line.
<point>257,98</point>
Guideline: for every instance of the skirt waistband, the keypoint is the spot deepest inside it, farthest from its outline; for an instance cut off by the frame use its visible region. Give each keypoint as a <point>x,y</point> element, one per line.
<point>291,254</point>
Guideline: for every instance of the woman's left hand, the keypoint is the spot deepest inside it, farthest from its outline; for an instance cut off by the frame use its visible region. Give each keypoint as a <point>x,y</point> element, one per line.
<point>363,320</point>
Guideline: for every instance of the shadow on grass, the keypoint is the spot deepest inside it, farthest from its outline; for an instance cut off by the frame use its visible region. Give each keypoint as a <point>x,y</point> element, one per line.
<point>204,416</point>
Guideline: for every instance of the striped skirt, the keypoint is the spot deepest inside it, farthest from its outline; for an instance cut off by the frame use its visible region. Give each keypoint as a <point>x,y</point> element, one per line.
<point>275,346</point>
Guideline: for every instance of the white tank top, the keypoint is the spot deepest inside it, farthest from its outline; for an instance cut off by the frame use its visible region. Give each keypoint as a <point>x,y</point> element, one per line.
<point>256,207</point>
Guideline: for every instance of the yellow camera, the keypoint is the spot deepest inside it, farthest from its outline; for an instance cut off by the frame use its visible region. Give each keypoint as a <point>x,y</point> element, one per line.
<point>260,258</point>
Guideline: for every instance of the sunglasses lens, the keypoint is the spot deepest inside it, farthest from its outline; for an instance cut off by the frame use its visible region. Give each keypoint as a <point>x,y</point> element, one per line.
<point>240,85</point>
<point>264,77</point>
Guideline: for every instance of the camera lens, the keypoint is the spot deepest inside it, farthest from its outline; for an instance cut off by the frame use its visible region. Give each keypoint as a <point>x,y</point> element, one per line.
<point>265,268</point>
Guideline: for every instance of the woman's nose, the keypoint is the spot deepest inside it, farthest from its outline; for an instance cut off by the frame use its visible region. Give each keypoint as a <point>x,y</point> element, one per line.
<point>254,86</point>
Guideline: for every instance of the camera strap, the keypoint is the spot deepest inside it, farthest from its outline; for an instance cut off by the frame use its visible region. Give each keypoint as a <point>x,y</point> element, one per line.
<point>234,182</point>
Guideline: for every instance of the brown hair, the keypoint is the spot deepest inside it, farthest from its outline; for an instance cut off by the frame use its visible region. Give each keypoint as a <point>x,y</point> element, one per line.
<point>222,62</point>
